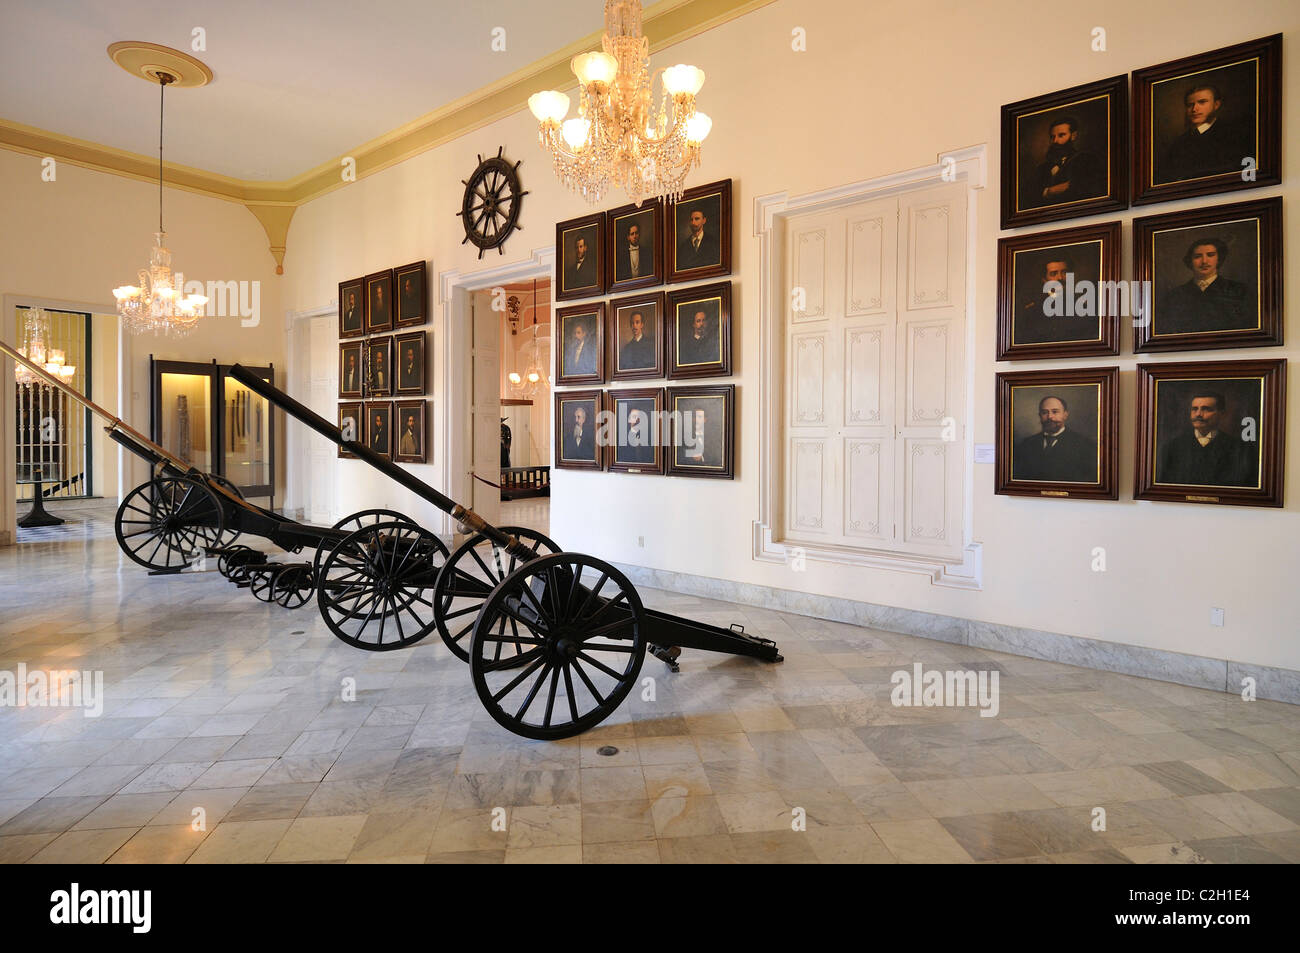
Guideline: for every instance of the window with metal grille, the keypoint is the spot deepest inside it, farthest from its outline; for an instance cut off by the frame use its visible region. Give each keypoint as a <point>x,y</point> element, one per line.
<point>53,455</point>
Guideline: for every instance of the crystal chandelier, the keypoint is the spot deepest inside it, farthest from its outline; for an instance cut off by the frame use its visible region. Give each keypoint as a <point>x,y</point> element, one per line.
<point>36,348</point>
<point>618,137</point>
<point>526,384</point>
<point>159,304</point>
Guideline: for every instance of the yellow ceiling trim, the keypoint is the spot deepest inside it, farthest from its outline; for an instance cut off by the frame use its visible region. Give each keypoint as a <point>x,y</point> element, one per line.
<point>665,23</point>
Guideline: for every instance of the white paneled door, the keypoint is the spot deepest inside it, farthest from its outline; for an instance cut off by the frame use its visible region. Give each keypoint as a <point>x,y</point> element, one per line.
<point>874,323</point>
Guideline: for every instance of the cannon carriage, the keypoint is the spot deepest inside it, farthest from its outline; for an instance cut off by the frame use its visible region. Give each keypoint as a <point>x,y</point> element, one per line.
<point>554,640</point>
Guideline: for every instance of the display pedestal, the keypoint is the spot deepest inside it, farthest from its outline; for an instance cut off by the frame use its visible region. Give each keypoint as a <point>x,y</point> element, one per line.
<point>38,516</point>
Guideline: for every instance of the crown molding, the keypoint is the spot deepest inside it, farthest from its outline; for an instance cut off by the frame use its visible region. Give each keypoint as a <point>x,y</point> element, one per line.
<point>273,203</point>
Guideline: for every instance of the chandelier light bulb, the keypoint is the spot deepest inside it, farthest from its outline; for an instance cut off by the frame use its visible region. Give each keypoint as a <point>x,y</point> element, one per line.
<point>549,106</point>
<point>697,128</point>
<point>515,378</point>
<point>597,68</point>
<point>683,80</point>
<point>533,377</point>
<point>575,133</point>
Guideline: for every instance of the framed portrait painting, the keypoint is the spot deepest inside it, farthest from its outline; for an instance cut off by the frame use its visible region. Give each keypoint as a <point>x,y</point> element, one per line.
<point>1209,123</point>
<point>638,443</point>
<point>379,301</point>
<point>575,430</point>
<point>698,242</point>
<point>1058,433</point>
<point>379,427</point>
<point>580,257</point>
<point>411,305</point>
<point>352,308</point>
<point>580,344</point>
<point>379,366</point>
<point>703,424</point>
<point>1211,432</point>
<point>352,425</point>
<point>409,374</point>
<point>352,368</point>
<point>635,238</point>
<point>699,342</point>
<point>1065,154</point>
<point>636,337</point>
<point>409,429</point>
<point>1051,298</point>
<point>1215,277</point>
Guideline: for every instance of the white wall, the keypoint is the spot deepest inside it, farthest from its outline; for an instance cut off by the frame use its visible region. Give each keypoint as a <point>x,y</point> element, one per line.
<point>85,233</point>
<point>882,87</point>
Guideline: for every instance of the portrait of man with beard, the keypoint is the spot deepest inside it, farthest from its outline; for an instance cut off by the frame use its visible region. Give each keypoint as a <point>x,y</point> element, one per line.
<point>1069,171</point>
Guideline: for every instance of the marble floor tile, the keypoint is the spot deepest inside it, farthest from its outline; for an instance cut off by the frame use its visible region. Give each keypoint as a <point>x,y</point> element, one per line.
<point>920,842</point>
<point>226,738</point>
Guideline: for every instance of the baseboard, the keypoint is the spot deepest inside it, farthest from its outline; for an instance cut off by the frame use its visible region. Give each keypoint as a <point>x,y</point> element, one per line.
<point>1196,671</point>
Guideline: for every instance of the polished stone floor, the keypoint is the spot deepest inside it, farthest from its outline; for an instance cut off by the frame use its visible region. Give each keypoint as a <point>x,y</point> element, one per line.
<point>225,738</point>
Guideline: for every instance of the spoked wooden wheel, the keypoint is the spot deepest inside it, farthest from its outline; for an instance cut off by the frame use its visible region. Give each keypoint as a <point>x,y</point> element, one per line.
<point>375,589</point>
<point>472,571</point>
<point>235,557</point>
<point>261,583</point>
<point>355,522</point>
<point>168,522</point>
<point>293,586</point>
<point>231,533</point>
<point>583,629</point>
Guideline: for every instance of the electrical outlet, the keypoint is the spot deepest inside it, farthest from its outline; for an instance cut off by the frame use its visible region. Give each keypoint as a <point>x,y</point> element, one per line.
<point>1216,616</point>
<point>640,541</point>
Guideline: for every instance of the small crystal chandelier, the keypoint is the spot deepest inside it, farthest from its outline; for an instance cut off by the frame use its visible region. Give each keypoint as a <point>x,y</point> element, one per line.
<point>618,137</point>
<point>526,384</point>
<point>36,348</point>
<point>159,304</point>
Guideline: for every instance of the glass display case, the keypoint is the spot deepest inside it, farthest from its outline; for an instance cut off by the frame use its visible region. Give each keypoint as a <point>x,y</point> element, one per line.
<point>207,418</point>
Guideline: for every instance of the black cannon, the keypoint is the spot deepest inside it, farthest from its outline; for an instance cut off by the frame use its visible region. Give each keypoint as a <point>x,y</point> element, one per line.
<point>554,640</point>
<point>182,515</point>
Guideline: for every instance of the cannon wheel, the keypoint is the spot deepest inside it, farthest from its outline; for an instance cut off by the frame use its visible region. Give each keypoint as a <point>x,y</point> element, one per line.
<point>231,534</point>
<point>167,522</point>
<point>235,557</point>
<point>468,578</point>
<point>375,588</point>
<point>356,521</point>
<point>585,629</point>
<point>261,583</point>
<point>293,587</point>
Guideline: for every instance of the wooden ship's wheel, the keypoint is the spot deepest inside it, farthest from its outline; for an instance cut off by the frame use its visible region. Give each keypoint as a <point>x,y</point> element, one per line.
<point>490,209</point>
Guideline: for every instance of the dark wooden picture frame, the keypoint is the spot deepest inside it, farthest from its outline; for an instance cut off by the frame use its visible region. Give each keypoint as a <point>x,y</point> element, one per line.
<point>712,199</point>
<point>592,405</point>
<point>385,445</point>
<point>653,439</point>
<point>1218,238</point>
<point>355,409</point>
<point>379,287</point>
<point>682,403</point>
<point>1166,439</point>
<point>379,385</point>
<point>352,313</point>
<point>412,308</point>
<point>649,220</point>
<point>569,284</point>
<point>1026,465</point>
<point>683,351</point>
<point>413,382</point>
<point>653,336</point>
<point>1088,183</point>
<point>1088,253</point>
<point>591,318</point>
<point>352,384</point>
<point>1171,160</point>
<point>401,410</point>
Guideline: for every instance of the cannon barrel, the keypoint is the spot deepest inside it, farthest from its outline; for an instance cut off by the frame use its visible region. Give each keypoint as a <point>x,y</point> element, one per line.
<point>316,422</point>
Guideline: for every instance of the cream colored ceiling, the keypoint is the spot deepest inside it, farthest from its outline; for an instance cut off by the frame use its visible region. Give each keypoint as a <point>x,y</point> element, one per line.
<point>296,82</point>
